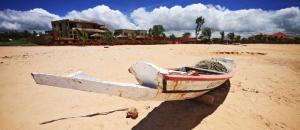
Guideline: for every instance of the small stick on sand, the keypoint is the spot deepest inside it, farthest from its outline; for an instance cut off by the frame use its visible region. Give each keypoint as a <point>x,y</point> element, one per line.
<point>89,115</point>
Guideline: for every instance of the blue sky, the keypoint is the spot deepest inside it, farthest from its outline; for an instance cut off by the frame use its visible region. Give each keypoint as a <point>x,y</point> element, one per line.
<point>244,17</point>
<point>61,7</point>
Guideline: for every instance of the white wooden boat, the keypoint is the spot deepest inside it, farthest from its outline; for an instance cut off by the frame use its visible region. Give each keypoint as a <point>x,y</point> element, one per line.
<point>155,83</point>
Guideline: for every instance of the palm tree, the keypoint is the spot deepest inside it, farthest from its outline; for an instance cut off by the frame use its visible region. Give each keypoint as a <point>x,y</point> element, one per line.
<point>150,32</point>
<point>158,30</point>
<point>222,36</point>
<point>230,36</point>
<point>238,38</point>
<point>186,34</point>
<point>81,35</point>
<point>206,33</point>
<point>199,22</point>
<point>172,37</point>
<point>109,38</point>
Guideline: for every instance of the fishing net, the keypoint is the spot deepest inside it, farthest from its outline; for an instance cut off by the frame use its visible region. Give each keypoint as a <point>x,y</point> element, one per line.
<point>211,64</point>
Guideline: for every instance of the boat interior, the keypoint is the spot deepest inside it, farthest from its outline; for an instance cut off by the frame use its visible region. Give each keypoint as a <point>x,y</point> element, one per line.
<point>197,71</point>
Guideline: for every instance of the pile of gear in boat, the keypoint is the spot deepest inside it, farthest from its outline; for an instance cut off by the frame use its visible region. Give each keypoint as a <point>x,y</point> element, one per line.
<point>207,67</point>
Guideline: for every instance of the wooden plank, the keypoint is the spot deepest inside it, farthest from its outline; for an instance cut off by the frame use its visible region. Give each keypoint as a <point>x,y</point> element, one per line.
<point>132,91</point>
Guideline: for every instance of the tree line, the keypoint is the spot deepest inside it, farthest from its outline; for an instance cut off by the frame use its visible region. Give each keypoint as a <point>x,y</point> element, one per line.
<point>202,35</point>
<point>231,37</point>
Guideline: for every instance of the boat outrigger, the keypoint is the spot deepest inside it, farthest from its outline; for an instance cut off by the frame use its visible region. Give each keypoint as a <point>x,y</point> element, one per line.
<point>155,83</point>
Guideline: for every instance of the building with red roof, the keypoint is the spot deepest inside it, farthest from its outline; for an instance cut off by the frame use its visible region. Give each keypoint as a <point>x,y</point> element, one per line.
<point>280,35</point>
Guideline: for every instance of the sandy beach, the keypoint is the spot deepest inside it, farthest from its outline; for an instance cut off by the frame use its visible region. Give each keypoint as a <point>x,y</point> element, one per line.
<point>263,94</point>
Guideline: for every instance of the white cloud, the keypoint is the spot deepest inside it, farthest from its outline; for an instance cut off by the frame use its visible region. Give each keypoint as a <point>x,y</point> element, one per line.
<point>176,19</point>
<point>10,26</point>
<point>35,19</point>
<point>40,19</point>
<point>103,14</point>
<point>244,21</point>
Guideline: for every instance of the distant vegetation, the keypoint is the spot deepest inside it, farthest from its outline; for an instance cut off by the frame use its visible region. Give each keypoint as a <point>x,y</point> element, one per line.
<point>231,37</point>
<point>156,35</point>
<point>157,31</point>
<point>81,35</point>
<point>222,33</point>
<point>15,38</point>
<point>110,39</point>
<point>199,23</point>
<point>186,34</point>
<point>24,38</point>
<point>172,37</point>
<point>206,34</point>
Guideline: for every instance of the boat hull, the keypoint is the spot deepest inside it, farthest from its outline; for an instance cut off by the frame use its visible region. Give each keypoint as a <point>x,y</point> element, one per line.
<point>125,90</point>
<point>185,89</point>
<point>155,83</point>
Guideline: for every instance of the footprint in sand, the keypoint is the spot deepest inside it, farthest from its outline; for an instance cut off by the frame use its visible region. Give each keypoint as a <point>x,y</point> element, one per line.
<point>239,53</point>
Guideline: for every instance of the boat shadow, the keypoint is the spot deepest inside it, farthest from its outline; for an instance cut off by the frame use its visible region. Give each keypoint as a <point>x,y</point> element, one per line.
<point>184,114</point>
